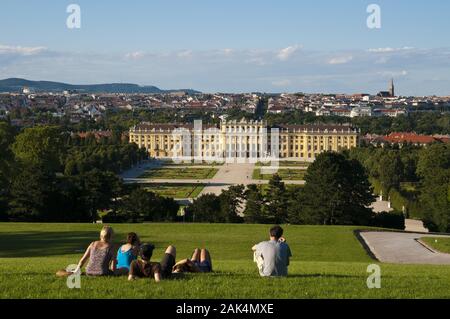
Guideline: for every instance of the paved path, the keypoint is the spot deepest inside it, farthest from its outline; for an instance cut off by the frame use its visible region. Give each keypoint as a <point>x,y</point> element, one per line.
<point>403,248</point>
<point>229,174</point>
<point>415,226</point>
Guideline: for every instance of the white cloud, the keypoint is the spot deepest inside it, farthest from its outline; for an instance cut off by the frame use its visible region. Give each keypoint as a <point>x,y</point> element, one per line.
<point>340,60</point>
<point>238,70</point>
<point>25,51</point>
<point>227,51</point>
<point>393,73</point>
<point>256,60</point>
<point>135,55</point>
<point>185,54</point>
<point>286,53</point>
<point>388,50</point>
<point>382,60</point>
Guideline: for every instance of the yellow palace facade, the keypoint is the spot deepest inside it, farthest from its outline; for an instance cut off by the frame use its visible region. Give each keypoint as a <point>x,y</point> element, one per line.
<point>243,139</point>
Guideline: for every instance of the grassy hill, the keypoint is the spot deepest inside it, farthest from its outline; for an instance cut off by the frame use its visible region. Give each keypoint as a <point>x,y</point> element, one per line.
<point>328,262</point>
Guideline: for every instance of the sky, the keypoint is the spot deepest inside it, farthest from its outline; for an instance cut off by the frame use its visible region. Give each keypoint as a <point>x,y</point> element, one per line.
<point>231,46</point>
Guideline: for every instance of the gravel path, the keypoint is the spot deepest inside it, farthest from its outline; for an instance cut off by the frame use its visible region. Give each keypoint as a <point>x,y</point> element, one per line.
<point>403,248</point>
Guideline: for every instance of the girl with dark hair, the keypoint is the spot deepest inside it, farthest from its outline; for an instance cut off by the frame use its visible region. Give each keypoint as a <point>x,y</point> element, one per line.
<point>127,253</point>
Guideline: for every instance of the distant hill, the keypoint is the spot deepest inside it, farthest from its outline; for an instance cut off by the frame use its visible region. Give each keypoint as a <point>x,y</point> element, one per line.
<point>16,85</point>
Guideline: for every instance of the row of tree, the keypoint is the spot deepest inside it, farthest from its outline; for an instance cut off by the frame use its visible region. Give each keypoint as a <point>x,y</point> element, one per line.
<point>48,175</point>
<point>419,122</point>
<point>337,192</point>
<point>425,169</point>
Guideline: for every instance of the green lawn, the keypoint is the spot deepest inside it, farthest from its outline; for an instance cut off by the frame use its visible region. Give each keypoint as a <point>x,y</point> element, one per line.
<point>328,262</point>
<point>285,163</point>
<point>180,173</point>
<point>440,244</point>
<point>285,173</point>
<point>176,190</point>
<point>191,163</point>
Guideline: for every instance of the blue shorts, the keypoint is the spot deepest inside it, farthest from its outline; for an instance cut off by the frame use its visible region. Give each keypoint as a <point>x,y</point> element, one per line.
<point>204,266</point>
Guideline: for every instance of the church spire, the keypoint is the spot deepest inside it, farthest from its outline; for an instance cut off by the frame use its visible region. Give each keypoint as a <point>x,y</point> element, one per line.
<point>392,88</point>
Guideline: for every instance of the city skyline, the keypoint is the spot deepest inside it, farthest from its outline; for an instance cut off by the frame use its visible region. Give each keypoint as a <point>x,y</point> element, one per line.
<point>264,46</point>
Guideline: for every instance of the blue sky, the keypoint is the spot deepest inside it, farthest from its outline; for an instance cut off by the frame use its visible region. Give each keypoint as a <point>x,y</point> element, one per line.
<point>232,46</point>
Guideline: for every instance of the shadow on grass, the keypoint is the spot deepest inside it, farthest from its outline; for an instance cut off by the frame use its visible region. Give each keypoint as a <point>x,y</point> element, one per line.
<point>47,243</point>
<point>41,244</point>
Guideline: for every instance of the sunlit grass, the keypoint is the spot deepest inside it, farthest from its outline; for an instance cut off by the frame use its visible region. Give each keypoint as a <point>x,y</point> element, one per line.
<point>328,262</point>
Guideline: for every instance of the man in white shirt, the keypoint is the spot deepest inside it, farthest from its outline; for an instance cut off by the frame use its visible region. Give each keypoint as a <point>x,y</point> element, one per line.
<point>272,257</point>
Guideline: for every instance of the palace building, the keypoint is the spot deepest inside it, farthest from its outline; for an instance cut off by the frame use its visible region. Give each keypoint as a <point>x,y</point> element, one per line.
<point>242,139</point>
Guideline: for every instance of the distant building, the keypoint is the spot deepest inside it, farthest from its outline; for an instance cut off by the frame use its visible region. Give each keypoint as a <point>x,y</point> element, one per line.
<point>361,111</point>
<point>390,92</point>
<point>400,138</point>
<point>413,138</point>
<point>390,112</point>
<point>303,142</point>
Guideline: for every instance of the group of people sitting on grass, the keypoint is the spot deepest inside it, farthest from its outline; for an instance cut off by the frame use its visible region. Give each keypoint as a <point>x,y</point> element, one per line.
<point>134,259</point>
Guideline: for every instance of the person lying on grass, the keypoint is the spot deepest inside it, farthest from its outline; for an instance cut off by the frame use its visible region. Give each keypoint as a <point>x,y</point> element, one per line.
<point>200,262</point>
<point>127,253</point>
<point>272,257</point>
<point>144,268</point>
<point>100,256</point>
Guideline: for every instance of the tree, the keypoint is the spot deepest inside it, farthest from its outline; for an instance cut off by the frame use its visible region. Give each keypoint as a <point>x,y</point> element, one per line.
<point>254,204</point>
<point>39,146</point>
<point>6,166</point>
<point>275,209</point>
<point>168,209</point>
<point>206,208</point>
<point>137,205</point>
<point>140,205</point>
<point>295,213</point>
<point>98,190</point>
<point>390,171</point>
<point>337,192</point>
<point>434,169</point>
<point>33,194</point>
<point>230,203</point>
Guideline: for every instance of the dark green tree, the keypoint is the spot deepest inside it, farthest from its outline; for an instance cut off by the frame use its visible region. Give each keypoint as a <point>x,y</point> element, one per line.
<point>276,201</point>
<point>254,203</point>
<point>34,192</point>
<point>295,212</point>
<point>390,170</point>
<point>6,166</point>
<point>138,204</point>
<point>231,202</point>
<point>207,209</point>
<point>39,146</point>
<point>337,192</point>
<point>99,189</point>
<point>434,169</point>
